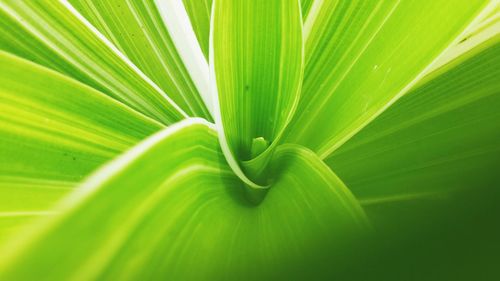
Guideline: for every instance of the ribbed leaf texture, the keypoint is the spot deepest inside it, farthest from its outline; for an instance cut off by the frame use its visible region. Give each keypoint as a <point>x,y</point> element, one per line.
<point>249,140</point>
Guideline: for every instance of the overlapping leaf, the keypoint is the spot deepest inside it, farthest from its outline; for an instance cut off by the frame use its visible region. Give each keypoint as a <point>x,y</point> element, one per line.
<point>444,135</point>
<point>53,132</point>
<point>256,61</point>
<point>137,29</point>
<point>361,56</point>
<point>175,205</point>
<point>306,5</point>
<point>199,12</point>
<point>54,34</point>
<point>183,215</point>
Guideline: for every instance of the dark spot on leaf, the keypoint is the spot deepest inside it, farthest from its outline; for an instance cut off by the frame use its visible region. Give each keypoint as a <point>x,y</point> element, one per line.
<point>463,40</point>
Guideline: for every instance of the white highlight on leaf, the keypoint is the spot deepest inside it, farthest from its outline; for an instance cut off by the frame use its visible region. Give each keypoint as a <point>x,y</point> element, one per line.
<point>224,145</point>
<point>84,192</point>
<point>329,148</point>
<point>115,50</point>
<point>26,214</point>
<point>469,38</point>
<point>181,31</point>
<point>311,18</point>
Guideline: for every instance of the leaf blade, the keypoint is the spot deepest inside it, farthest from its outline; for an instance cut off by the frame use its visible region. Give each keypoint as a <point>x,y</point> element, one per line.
<point>362,56</point>
<point>137,29</point>
<point>194,185</point>
<point>441,137</point>
<point>199,13</point>
<point>256,77</point>
<point>54,131</point>
<point>54,34</point>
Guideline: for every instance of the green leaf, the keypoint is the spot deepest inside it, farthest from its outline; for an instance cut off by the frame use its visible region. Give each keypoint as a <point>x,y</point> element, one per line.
<point>361,56</point>
<point>54,34</point>
<point>305,5</point>
<point>137,29</point>
<point>53,132</point>
<point>172,207</point>
<point>256,61</point>
<point>23,200</point>
<point>485,26</point>
<point>400,97</point>
<point>199,14</point>
<point>442,136</point>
